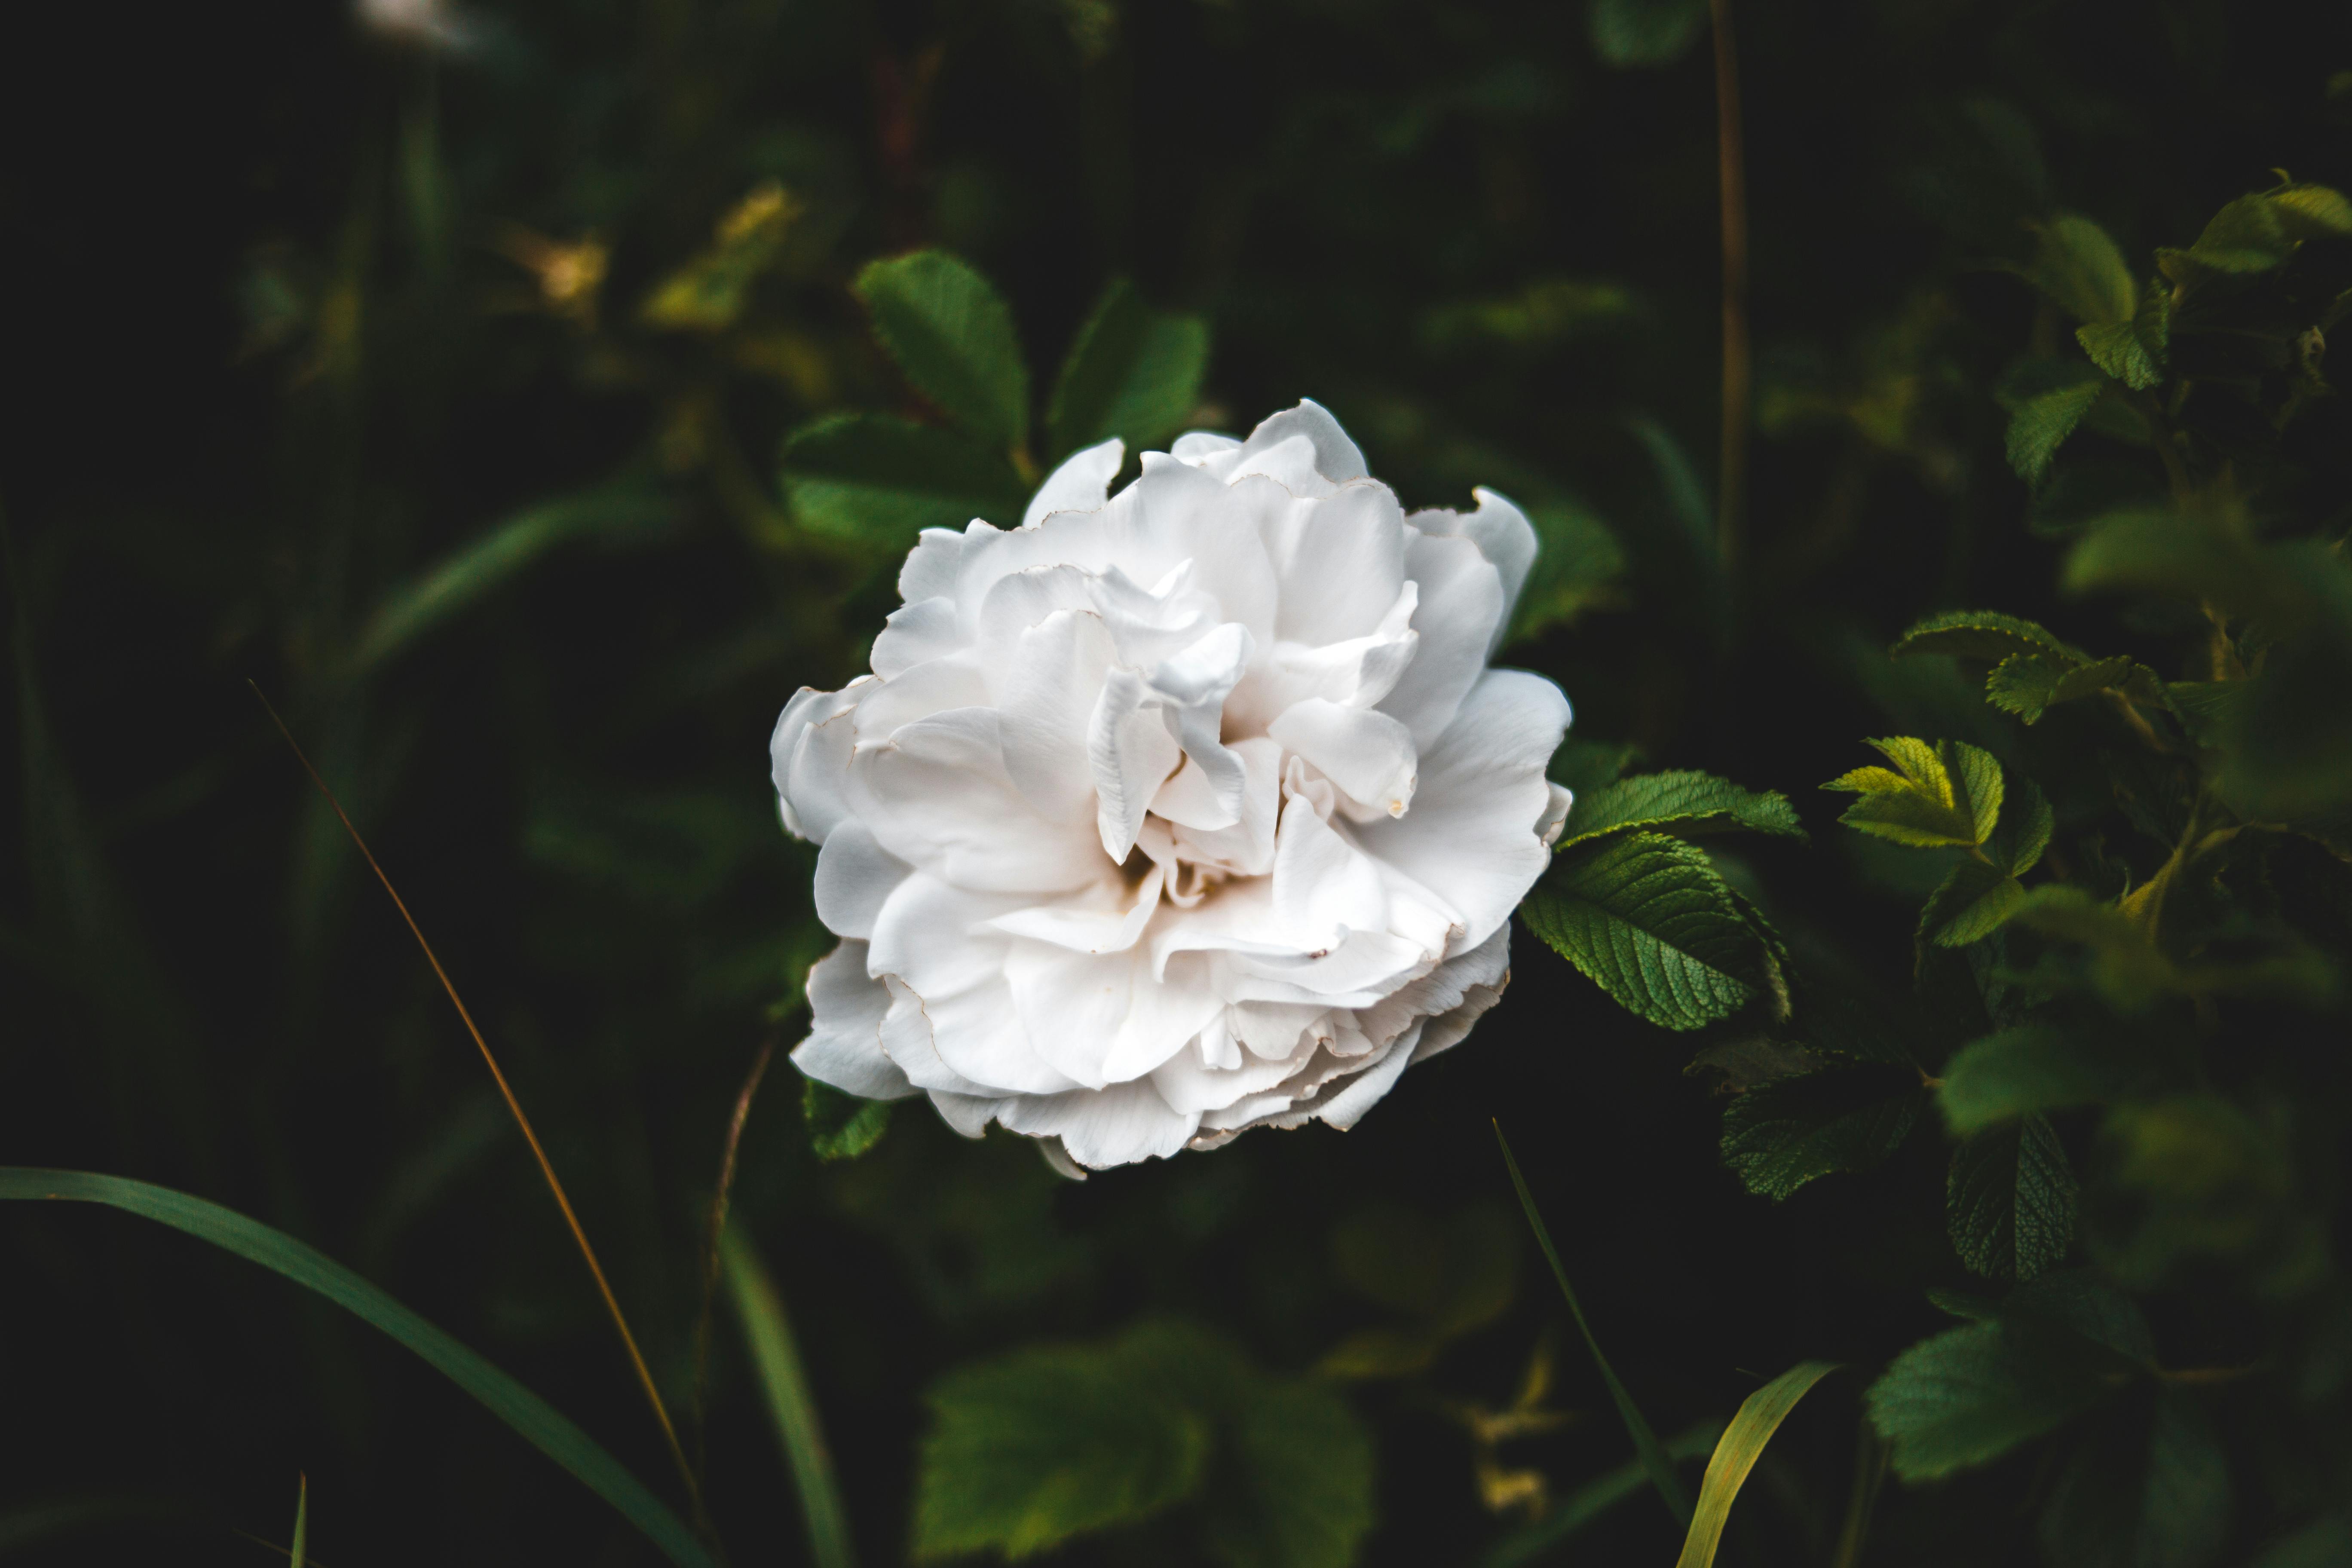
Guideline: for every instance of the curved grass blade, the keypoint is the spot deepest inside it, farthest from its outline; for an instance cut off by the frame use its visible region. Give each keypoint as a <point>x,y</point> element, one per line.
<point>1595,1498</point>
<point>1652,1455</point>
<point>1743,1444</point>
<point>785,1381</point>
<point>518,1406</point>
<point>295,1553</point>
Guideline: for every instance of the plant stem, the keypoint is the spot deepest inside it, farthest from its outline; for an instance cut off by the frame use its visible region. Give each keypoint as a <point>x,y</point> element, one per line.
<point>1731,473</point>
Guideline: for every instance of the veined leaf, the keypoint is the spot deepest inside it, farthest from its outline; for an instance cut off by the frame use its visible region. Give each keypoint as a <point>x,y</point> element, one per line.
<point>1761,1415</point>
<point>2312,212</point>
<point>1649,920</point>
<point>1975,900</point>
<point>2246,236</point>
<point>2133,351</point>
<point>1678,802</point>
<point>1133,373</point>
<point>520,1408</point>
<point>952,334</point>
<point>784,1381</point>
<point>2023,832</point>
<point>2008,1200</point>
<point>1971,1393</point>
<point>1783,1135</point>
<point>2082,271</point>
<point>2024,1071</point>
<point>1946,794</point>
<point>1986,635</point>
<point>882,481</point>
<point>2039,425</point>
<point>2028,685</point>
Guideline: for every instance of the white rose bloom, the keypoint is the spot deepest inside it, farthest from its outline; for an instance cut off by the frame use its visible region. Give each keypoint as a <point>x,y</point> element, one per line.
<point>1180,812</point>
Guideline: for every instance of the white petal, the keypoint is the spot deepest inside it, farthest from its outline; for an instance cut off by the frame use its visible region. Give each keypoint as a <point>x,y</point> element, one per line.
<point>1365,1090</point>
<point>1116,1126</point>
<point>1503,536</point>
<point>936,797</point>
<point>854,876</point>
<point>915,634</point>
<point>968,1045</point>
<point>844,1046</point>
<point>1444,991</point>
<point>930,569</point>
<point>1555,816</point>
<point>1459,614</point>
<point>809,755</point>
<point>1081,484</point>
<point>1045,705</point>
<point>1342,564</point>
<point>1324,887</point>
<point>1363,750</point>
<point>1199,447</point>
<point>1130,755</point>
<point>1336,458</point>
<point>1470,837</point>
<point>1083,929</point>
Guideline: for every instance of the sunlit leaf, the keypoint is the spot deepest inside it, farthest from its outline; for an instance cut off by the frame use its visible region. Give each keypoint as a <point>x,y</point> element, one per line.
<point>1680,803</point>
<point>1761,1415</point>
<point>1945,794</point>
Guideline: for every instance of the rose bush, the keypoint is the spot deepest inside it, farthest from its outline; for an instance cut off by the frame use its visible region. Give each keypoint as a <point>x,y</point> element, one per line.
<point>1180,812</point>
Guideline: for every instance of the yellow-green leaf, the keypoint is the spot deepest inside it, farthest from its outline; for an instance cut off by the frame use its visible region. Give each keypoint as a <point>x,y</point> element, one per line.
<point>1743,1442</point>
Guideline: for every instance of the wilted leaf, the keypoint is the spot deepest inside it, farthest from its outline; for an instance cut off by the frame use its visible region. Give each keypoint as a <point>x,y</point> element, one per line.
<point>1650,920</point>
<point>953,336</point>
<point>1133,373</point>
<point>2009,1200</point>
<point>1782,1135</point>
<point>1946,794</point>
<point>1678,802</point>
<point>882,481</point>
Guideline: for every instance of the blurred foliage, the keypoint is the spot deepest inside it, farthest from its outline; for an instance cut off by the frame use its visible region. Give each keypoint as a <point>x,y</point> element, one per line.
<point>529,397</point>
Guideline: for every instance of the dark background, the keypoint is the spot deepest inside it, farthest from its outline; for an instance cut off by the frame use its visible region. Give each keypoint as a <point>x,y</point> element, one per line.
<point>270,360</point>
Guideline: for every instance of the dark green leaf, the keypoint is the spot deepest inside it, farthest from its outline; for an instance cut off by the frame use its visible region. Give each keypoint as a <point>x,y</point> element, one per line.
<point>2023,832</point>
<point>2145,1487</point>
<point>841,1126</point>
<point>1679,802</point>
<point>1986,635</point>
<point>2023,1071</point>
<point>882,481</point>
<point>1133,373</point>
<point>2009,1200</point>
<point>1454,1273</point>
<point>953,336</point>
<point>1782,1135</point>
<point>2039,425</point>
<point>2082,270</point>
<point>1578,564</point>
<point>1946,794</point>
<point>2133,351</point>
<point>2246,236</point>
<point>1587,767</point>
<point>1031,1449</point>
<point>1974,901</point>
<point>520,1408</point>
<point>1301,1470</point>
<point>1971,1393</point>
<point>1645,32</point>
<point>1650,920</point>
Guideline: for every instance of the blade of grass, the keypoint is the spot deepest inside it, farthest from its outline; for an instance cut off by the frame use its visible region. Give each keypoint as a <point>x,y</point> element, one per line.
<point>294,1555</point>
<point>519,1407</point>
<point>785,1381</point>
<point>1760,1417</point>
<point>1645,1442</point>
<point>546,1167</point>
<point>1595,1498</point>
<point>716,1228</point>
<point>1871,1453</point>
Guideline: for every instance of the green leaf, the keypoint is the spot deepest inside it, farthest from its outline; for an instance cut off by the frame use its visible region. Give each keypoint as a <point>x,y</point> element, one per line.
<point>1578,566</point>
<point>1946,794</point>
<point>2039,425</point>
<point>1029,1449</point>
<point>1646,1441</point>
<point>1649,920</point>
<point>1587,767</point>
<point>841,1126</point>
<point>2023,832</point>
<point>783,1380</point>
<point>1678,802</point>
<point>1371,1354</point>
<point>1779,1136</point>
<point>1761,1415</point>
<point>2024,1071</point>
<point>1133,373</point>
<point>1300,1474</point>
<point>299,1552</point>
<point>2206,709</point>
<point>520,1408</point>
<point>1594,1497</point>
<point>1975,900</point>
<point>2079,267</point>
<point>709,292</point>
<point>1986,635</point>
<point>1971,1393</point>
<point>953,336</point>
<point>2312,212</point>
<point>2147,1486</point>
<point>2134,351</point>
<point>2128,970</point>
<point>2246,236</point>
<point>2164,553</point>
<point>882,481</point>
<point>499,554</point>
<point>1645,32</point>
<point>1453,1273</point>
<point>2009,1200</point>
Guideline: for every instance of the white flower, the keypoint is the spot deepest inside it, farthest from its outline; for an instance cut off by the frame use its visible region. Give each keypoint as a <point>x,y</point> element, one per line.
<point>1180,812</point>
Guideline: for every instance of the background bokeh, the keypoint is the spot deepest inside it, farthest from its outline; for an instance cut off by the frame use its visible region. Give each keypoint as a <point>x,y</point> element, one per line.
<point>333,370</point>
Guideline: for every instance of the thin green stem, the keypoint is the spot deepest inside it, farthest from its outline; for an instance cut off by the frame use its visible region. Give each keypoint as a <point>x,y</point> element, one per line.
<point>785,1380</point>
<point>1645,1442</point>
